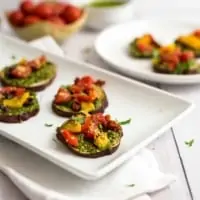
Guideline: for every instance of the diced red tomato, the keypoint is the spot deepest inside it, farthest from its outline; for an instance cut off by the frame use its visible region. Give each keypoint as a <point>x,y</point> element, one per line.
<point>31,19</point>
<point>197,33</point>
<point>69,137</point>
<point>37,63</point>
<point>171,66</point>
<point>99,118</point>
<point>19,91</point>
<point>186,55</point>
<point>85,81</point>
<point>86,125</point>
<point>170,57</point>
<point>76,89</point>
<point>144,47</point>
<point>16,18</point>
<point>63,96</point>
<point>27,7</point>
<point>82,97</point>
<point>21,71</point>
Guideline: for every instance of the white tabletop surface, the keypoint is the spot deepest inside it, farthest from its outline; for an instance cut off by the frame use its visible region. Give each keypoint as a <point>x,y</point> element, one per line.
<point>172,153</point>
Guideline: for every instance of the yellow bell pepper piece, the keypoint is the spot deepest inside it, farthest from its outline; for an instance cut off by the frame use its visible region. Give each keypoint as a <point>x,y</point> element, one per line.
<point>169,48</point>
<point>87,106</point>
<point>191,41</point>
<point>73,126</point>
<point>102,141</point>
<point>16,102</point>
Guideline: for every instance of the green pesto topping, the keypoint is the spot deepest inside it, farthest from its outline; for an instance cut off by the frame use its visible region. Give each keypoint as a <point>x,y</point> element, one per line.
<point>67,107</point>
<point>47,72</point>
<point>87,147</point>
<point>34,105</point>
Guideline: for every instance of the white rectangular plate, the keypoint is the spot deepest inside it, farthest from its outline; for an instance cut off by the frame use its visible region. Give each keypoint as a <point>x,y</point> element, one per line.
<point>152,112</point>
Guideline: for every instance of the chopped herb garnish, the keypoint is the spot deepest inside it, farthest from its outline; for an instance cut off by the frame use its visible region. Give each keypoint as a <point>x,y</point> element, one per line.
<point>125,122</point>
<point>13,57</point>
<point>48,125</point>
<point>100,126</point>
<point>131,185</point>
<point>189,143</point>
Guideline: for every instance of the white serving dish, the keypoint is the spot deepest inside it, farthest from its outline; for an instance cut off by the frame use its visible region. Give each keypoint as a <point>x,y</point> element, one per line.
<point>102,17</point>
<point>152,111</point>
<point>112,46</point>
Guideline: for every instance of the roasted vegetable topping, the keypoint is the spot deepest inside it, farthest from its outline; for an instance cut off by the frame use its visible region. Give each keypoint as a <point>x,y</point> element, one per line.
<point>190,40</point>
<point>81,95</point>
<point>24,68</point>
<point>13,97</point>
<point>143,47</point>
<point>172,59</point>
<point>93,128</point>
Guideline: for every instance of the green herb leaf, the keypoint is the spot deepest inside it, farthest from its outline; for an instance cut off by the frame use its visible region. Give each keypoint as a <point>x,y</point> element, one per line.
<point>48,125</point>
<point>189,143</point>
<point>125,122</point>
<point>131,185</point>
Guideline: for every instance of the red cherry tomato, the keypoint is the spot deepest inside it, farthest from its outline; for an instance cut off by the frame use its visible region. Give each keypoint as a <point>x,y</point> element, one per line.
<point>71,14</point>
<point>58,8</point>
<point>32,19</point>
<point>27,7</point>
<point>43,10</point>
<point>56,20</point>
<point>69,137</point>
<point>63,96</point>
<point>187,55</point>
<point>16,18</point>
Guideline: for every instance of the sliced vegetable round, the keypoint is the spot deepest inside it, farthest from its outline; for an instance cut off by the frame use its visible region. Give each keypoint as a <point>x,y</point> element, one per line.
<point>172,60</point>
<point>35,74</point>
<point>90,136</point>
<point>85,95</point>
<point>17,104</point>
<point>143,47</point>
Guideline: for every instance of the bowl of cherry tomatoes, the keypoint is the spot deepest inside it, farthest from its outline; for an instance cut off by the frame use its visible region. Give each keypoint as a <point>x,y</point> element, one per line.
<point>34,20</point>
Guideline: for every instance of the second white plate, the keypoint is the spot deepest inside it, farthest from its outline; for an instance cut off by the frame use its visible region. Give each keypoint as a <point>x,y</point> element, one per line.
<point>112,45</point>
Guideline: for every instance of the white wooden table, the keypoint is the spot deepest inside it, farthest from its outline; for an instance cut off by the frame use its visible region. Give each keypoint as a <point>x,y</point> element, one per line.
<point>172,153</point>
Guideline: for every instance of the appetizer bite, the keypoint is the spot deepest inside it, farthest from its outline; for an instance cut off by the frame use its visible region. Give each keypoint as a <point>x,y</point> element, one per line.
<point>143,47</point>
<point>35,74</point>
<point>17,104</point>
<point>189,42</point>
<point>172,60</point>
<point>90,136</point>
<point>85,95</point>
